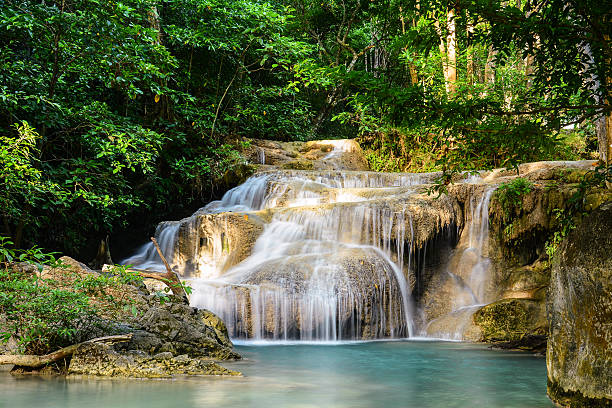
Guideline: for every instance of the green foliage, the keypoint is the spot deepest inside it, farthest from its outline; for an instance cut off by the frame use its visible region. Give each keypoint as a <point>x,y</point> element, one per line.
<point>39,316</point>
<point>510,196</point>
<point>575,208</point>
<point>45,311</point>
<point>119,110</point>
<point>109,111</point>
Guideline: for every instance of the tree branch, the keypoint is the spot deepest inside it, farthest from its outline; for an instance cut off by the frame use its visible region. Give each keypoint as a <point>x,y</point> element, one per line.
<point>39,361</point>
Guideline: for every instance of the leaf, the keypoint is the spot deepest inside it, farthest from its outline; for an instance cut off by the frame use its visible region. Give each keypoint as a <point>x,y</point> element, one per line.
<point>157,97</point>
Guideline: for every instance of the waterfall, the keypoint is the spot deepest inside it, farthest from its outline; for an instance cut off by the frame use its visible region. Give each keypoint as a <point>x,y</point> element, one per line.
<point>146,257</point>
<point>302,279</point>
<point>468,273</point>
<point>321,255</point>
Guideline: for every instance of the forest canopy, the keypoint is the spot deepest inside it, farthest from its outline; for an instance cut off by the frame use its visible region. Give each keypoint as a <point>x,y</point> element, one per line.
<point>112,111</point>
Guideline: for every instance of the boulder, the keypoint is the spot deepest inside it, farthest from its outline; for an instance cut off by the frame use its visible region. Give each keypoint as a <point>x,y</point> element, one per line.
<point>180,329</point>
<point>511,320</point>
<point>579,353</point>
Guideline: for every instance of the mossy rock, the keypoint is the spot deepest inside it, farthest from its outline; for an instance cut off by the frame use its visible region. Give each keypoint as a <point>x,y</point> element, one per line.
<point>298,165</point>
<point>596,199</point>
<point>238,174</point>
<point>579,354</point>
<point>570,175</point>
<point>510,319</point>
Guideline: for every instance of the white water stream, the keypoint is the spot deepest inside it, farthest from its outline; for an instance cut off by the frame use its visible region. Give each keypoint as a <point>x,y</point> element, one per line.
<point>331,262</point>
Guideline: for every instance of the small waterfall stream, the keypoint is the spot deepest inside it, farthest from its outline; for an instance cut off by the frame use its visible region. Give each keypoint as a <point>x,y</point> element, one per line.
<point>320,255</point>
<point>468,270</point>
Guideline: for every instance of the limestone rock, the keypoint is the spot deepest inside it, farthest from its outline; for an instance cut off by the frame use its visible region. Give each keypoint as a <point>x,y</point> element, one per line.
<point>180,329</point>
<point>511,319</point>
<point>103,360</point>
<point>579,354</point>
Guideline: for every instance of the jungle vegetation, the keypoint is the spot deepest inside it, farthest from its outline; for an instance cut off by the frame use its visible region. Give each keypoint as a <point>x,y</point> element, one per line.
<point>118,112</point>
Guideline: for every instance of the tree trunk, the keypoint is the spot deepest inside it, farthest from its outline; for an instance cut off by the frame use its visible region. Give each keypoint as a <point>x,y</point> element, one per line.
<point>330,103</point>
<point>448,50</point>
<point>170,278</point>
<point>414,78</point>
<point>603,127</point>
<point>442,48</point>
<point>451,48</point>
<point>607,142</point>
<point>103,255</point>
<point>489,73</point>
<point>470,52</point>
<point>39,361</point>
<point>603,124</point>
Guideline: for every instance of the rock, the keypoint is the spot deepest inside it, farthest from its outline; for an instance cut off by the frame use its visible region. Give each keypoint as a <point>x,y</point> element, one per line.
<point>314,155</point>
<point>166,355</point>
<point>511,320</point>
<point>177,328</point>
<point>226,238</point>
<point>103,360</point>
<point>212,320</point>
<point>238,175</point>
<point>579,353</point>
<point>350,293</point>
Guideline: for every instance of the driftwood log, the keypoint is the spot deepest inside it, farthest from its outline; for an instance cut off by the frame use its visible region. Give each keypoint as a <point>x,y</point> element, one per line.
<point>40,361</point>
<point>170,278</point>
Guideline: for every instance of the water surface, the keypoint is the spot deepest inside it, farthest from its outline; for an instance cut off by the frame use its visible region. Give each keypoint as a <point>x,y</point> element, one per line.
<point>375,374</point>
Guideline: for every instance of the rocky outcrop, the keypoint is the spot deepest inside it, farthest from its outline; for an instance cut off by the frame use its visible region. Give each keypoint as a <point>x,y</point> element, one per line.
<point>511,320</point>
<point>519,267</point>
<point>215,242</point>
<point>166,336</point>
<point>103,360</point>
<point>297,296</point>
<point>177,328</point>
<point>314,155</point>
<point>579,354</point>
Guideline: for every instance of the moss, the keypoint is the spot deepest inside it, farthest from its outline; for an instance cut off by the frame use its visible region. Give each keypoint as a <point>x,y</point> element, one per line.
<point>575,399</point>
<point>298,165</point>
<point>238,174</point>
<point>503,320</point>
<point>596,198</point>
<point>570,175</point>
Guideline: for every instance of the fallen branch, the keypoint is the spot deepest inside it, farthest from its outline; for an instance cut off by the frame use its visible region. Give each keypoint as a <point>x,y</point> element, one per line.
<point>170,278</point>
<point>39,361</point>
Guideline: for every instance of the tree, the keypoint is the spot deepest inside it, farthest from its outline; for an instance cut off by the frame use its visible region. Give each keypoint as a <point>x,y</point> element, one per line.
<point>569,42</point>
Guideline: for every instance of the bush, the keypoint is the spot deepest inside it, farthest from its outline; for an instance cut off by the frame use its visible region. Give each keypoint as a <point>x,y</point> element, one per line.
<point>510,194</point>
<point>46,311</point>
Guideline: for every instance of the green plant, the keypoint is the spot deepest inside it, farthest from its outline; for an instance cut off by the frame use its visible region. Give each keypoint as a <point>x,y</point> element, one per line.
<point>46,307</point>
<point>37,313</point>
<point>510,195</point>
<point>567,217</point>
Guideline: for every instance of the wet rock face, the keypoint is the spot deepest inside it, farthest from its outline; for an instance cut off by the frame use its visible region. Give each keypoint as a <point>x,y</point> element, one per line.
<point>103,360</point>
<point>579,354</point>
<point>210,243</point>
<point>357,297</point>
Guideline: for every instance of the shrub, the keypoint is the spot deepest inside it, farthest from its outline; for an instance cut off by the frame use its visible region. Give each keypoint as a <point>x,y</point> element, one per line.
<point>46,311</point>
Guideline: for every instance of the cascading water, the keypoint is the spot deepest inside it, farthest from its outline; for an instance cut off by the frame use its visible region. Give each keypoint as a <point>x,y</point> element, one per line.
<point>315,255</point>
<point>468,273</point>
<point>302,279</point>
